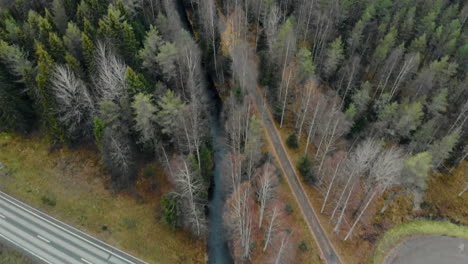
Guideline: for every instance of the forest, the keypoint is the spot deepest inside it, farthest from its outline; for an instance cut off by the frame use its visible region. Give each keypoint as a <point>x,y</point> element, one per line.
<point>370,98</point>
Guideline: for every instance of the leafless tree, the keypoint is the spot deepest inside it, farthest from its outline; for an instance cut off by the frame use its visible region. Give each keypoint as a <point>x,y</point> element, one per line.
<point>360,160</point>
<point>267,181</point>
<point>284,249</point>
<point>407,69</point>
<point>272,228</point>
<point>189,189</point>
<point>207,13</point>
<point>383,174</point>
<point>191,126</point>
<point>271,22</point>
<point>109,81</point>
<point>118,156</point>
<point>238,219</point>
<point>317,106</point>
<point>74,105</point>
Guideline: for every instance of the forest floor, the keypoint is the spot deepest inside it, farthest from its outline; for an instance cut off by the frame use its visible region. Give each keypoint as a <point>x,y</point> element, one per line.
<point>441,201</point>
<point>72,186</point>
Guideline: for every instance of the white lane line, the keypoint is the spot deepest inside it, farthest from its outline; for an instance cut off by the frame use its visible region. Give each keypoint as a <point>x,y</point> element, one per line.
<point>27,250</point>
<point>43,238</point>
<point>86,261</point>
<point>22,205</point>
<point>2,216</point>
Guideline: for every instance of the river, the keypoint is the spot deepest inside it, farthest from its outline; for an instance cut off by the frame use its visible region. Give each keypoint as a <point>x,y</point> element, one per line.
<point>218,251</point>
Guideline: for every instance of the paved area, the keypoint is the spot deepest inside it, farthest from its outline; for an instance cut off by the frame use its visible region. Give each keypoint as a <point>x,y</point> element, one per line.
<point>430,250</point>
<point>310,216</point>
<point>50,241</point>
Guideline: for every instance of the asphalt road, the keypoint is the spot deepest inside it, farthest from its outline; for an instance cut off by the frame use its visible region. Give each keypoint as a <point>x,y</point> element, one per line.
<point>310,216</point>
<point>430,250</point>
<point>50,241</point>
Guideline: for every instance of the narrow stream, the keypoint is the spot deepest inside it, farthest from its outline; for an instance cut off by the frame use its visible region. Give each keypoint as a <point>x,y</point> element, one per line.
<point>218,251</point>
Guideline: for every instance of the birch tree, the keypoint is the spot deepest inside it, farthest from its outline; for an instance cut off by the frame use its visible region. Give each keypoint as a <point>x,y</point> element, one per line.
<point>267,180</point>
<point>189,189</point>
<point>272,228</point>
<point>384,173</point>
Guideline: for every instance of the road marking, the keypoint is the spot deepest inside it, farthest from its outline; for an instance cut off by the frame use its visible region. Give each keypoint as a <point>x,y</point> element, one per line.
<point>27,250</point>
<point>2,216</point>
<point>86,261</point>
<point>33,211</point>
<point>43,238</point>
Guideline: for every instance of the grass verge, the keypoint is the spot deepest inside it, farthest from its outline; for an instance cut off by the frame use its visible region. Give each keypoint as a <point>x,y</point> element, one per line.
<point>71,186</point>
<point>419,227</point>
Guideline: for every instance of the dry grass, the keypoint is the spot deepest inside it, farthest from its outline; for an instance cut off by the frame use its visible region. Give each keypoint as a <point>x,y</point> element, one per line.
<point>75,179</point>
<point>442,195</point>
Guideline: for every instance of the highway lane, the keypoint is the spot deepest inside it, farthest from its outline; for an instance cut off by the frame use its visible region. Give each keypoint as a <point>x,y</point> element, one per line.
<point>51,241</point>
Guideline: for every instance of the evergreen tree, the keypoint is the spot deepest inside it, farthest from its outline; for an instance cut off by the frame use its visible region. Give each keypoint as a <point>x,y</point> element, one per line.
<point>170,105</point>
<point>416,170</point>
<point>45,65</point>
<point>333,58</point>
<point>441,149</point>
<point>150,50</point>
<point>306,68</point>
<point>145,118</point>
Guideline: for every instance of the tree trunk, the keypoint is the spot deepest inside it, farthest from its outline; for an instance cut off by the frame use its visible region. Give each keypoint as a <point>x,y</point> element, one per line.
<point>285,100</point>
<point>360,215</point>
<point>311,127</point>
<point>329,187</point>
<point>340,219</point>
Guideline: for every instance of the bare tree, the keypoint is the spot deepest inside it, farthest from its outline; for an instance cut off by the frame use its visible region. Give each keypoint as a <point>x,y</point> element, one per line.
<point>190,188</point>
<point>74,105</point>
<point>192,127</point>
<point>312,123</point>
<point>272,228</point>
<point>267,180</point>
<point>238,218</point>
<point>359,161</point>
<point>384,173</point>
<point>109,81</point>
<point>282,256</point>
<point>119,157</point>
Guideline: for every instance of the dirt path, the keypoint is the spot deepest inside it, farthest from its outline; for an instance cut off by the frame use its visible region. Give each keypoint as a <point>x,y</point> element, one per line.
<point>310,216</point>
<point>430,250</point>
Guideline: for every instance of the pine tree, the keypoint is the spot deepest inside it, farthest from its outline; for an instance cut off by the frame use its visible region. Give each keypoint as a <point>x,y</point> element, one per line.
<point>306,68</point>
<point>170,105</point>
<point>57,50</point>
<point>333,58</point>
<point>88,51</point>
<point>45,65</point>
<point>441,149</point>
<point>135,82</point>
<point>150,50</point>
<point>145,118</point>
<point>417,168</point>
